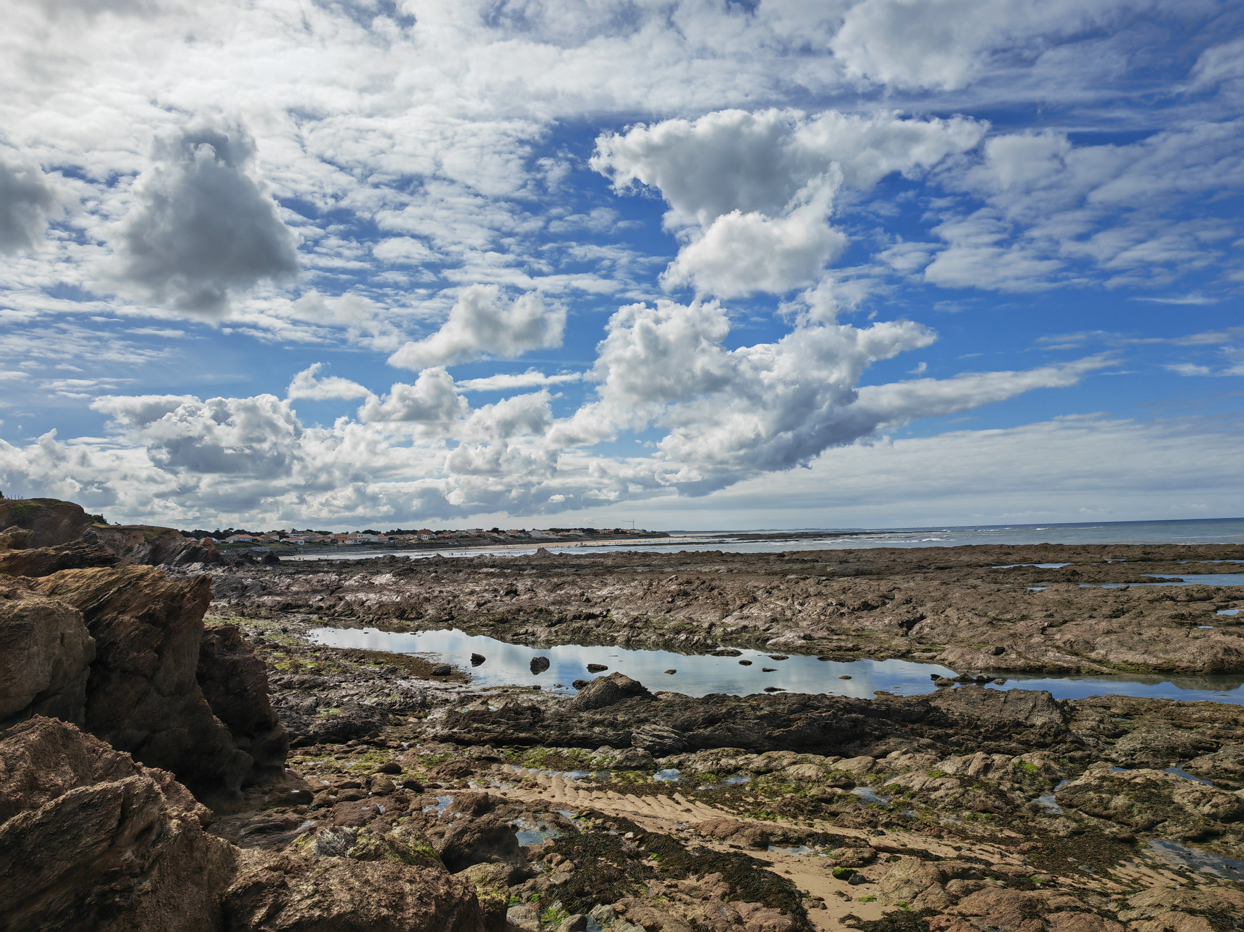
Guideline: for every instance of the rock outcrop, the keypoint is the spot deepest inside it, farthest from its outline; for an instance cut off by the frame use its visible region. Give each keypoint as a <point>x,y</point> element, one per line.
<point>44,561</point>
<point>49,521</point>
<point>91,840</point>
<point>45,656</point>
<point>49,524</point>
<point>235,684</point>
<point>143,696</point>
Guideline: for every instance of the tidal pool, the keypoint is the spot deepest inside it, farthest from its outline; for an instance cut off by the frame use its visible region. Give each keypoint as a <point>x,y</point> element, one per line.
<point>508,664</point>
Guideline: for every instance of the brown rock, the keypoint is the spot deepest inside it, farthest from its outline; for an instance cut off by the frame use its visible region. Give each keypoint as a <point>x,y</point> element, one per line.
<point>608,690</point>
<point>45,655</point>
<point>285,893</point>
<point>485,839</point>
<point>49,521</point>
<point>91,840</point>
<point>142,694</point>
<point>235,683</point>
<point>44,561</point>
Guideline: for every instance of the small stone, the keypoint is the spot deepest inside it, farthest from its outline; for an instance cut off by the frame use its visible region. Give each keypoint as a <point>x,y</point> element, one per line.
<point>389,766</point>
<point>999,682</point>
<point>477,659</point>
<point>442,669</point>
<point>727,652</point>
<point>857,879</point>
<point>843,873</point>
<point>844,677</point>
<point>671,672</point>
<point>824,658</point>
<point>596,668</point>
<point>778,657</point>
<point>768,669</point>
<point>745,663</point>
<point>774,689</point>
<point>579,684</point>
<point>523,917</point>
<point>539,665</point>
<point>999,650</point>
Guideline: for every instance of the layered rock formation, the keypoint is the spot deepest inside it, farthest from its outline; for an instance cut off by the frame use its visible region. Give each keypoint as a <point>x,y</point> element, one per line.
<point>143,693</point>
<point>89,839</point>
<point>45,656</point>
<point>50,524</point>
<point>122,651</point>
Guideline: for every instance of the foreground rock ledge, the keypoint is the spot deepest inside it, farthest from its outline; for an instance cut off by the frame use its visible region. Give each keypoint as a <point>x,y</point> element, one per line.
<point>91,840</point>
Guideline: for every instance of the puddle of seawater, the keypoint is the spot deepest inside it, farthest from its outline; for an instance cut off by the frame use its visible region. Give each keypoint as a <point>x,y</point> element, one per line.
<point>798,850</point>
<point>1189,579</point>
<point>1203,863</point>
<point>1040,566</point>
<point>1180,772</point>
<point>698,674</point>
<point>1048,801</point>
<point>672,775</point>
<point>442,803</point>
<point>1228,611</point>
<point>702,674</point>
<point>869,795</point>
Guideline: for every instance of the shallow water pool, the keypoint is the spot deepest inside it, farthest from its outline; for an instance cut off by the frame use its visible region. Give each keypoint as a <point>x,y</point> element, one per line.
<point>508,664</point>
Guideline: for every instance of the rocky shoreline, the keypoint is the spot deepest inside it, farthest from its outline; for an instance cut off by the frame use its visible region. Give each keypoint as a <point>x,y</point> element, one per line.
<point>175,754</point>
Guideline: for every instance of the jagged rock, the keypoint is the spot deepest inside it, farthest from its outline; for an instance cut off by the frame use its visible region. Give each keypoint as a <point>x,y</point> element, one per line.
<point>539,664</point>
<point>286,892</point>
<point>658,740</point>
<point>91,840</point>
<point>54,523</point>
<point>14,538</point>
<point>44,561</point>
<point>49,521</point>
<point>45,656</point>
<point>235,684</point>
<point>608,690</point>
<point>142,695</point>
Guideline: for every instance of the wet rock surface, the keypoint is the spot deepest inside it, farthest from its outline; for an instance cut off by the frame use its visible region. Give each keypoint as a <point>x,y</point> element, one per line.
<point>414,799</point>
<point>970,608</point>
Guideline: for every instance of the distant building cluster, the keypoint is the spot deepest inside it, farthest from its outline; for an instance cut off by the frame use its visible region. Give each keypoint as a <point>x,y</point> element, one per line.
<point>398,537</point>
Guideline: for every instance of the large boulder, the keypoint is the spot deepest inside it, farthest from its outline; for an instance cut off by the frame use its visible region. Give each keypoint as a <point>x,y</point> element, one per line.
<point>307,894</point>
<point>608,690</point>
<point>49,521</point>
<point>91,840</point>
<point>44,561</point>
<point>143,696</point>
<point>235,683</point>
<point>45,656</point>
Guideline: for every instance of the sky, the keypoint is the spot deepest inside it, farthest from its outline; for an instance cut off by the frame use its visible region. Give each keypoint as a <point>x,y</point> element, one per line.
<point>701,265</point>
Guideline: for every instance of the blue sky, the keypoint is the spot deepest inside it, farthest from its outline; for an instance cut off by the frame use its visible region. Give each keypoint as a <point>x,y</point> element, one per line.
<point>702,264</point>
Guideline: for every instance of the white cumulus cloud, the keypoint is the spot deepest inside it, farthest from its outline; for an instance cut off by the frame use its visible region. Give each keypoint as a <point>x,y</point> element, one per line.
<point>309,384</point>
<point>482,323</point>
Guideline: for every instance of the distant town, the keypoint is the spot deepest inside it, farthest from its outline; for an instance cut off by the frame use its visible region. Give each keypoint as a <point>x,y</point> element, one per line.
<point>417,538</point>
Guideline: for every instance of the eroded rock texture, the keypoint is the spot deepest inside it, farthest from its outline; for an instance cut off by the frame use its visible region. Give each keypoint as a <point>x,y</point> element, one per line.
<point>91,840</point>
<point>143,696</point>
<point>45,656</point>
<point>235,683</point>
